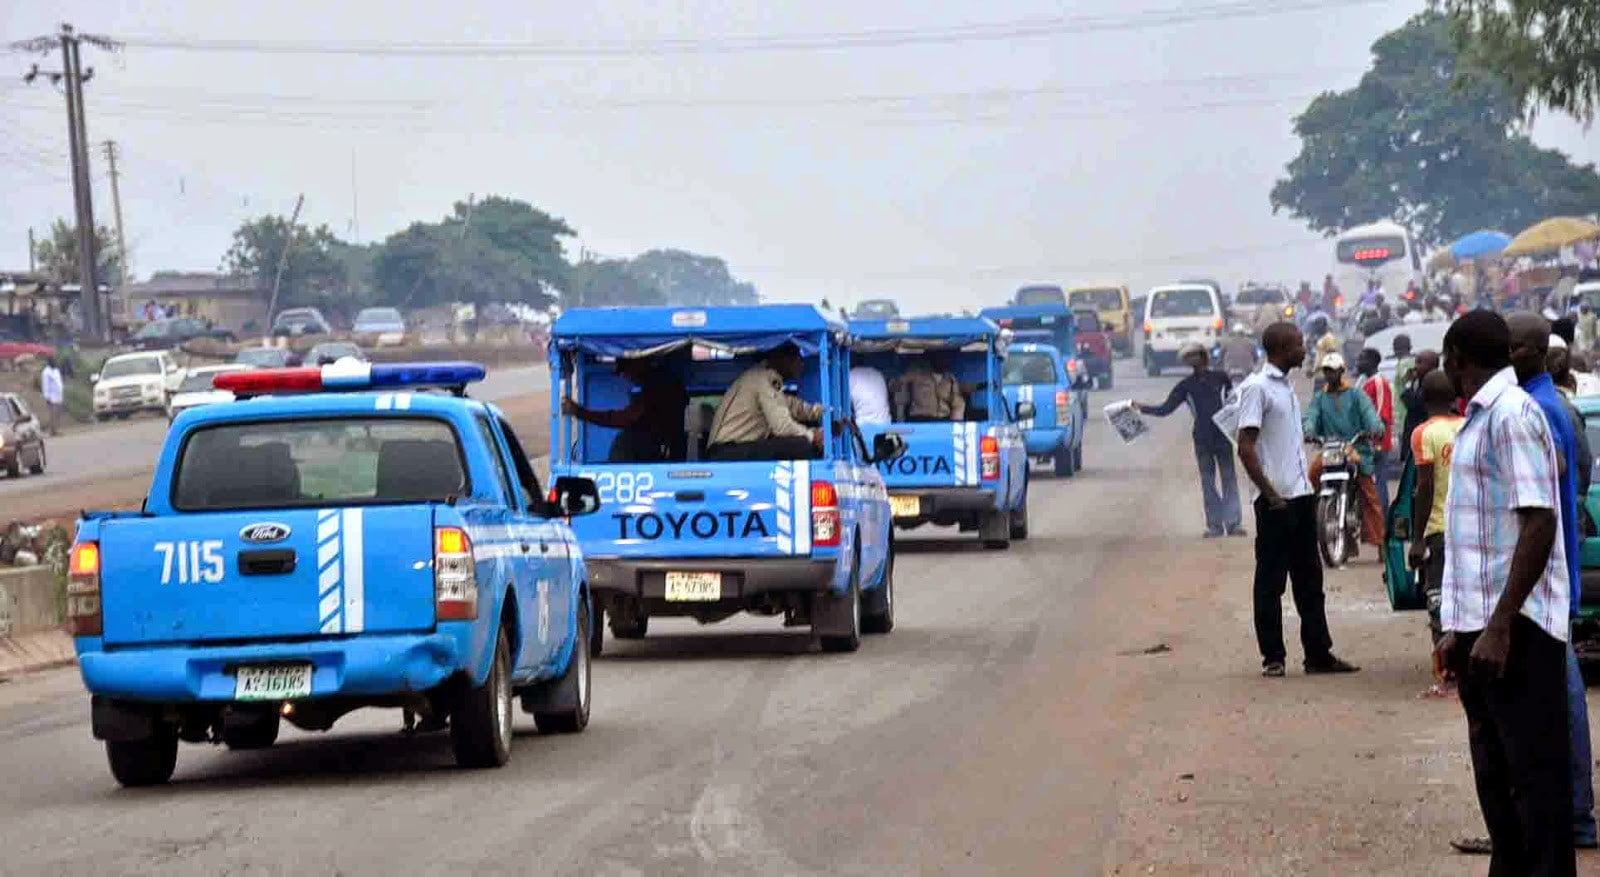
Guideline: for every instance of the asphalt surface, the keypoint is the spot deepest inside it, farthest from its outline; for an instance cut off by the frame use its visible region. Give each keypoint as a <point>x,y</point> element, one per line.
<point>963,742</point>
<point>122,448</point>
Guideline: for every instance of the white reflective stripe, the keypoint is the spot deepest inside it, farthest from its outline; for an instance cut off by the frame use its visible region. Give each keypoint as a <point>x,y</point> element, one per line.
<point>402,402</point>
<point>330,571</point>
<point>385,402</point>
<point>973,452</point>
<point>802,507</point>
<point>355,559</point>
<point>783,505</point>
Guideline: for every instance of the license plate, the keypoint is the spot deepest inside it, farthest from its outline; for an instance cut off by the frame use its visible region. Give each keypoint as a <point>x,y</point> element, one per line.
<point>272,682</point>
<point>905,506</point>
<point>694,587</point>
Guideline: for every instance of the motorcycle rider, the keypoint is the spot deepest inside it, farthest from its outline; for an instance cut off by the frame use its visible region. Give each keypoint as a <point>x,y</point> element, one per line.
<point>1339,412</point>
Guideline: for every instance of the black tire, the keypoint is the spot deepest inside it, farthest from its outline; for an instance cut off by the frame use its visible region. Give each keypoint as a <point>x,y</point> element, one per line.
<point>877,616</point>
<point>38,461</point>
<point>257,734</point>
<point>480,722</point>
<point>1077,457</point>
<point>1019,519</point>
<point>1150,367</point>
<point>572,688</point>
<point>847,642</point>
<point>1063,461</point>
<point>597,629</point>
<point>148,762</point>
<point>1105,381</point>
<point>630,628</point>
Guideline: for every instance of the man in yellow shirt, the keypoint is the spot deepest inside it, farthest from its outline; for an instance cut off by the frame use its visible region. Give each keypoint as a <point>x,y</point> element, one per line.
<point>1431,447</point>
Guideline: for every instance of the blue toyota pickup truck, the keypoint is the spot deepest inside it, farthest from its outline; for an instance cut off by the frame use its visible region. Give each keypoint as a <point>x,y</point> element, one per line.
<point>339,539</point>
<point>798,529</point>
<point>970,472</point>
<point>1036,374</point>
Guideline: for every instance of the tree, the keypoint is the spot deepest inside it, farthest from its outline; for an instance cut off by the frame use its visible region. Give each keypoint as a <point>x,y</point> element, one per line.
<point>498,249</point>
<point>1548,51</point>
<point>315,274</point>
<point>57,254</point>
<point>692,280</point>
<point>610,283</point>
<point>1429,141</point>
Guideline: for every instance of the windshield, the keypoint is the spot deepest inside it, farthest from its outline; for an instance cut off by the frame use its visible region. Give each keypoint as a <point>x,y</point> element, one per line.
<point>1041,295</point>
<point>1181,303</point>
<point>378,315</point>
<point>319,462</point>
<point>1028,368</point>
<point>197,382</point>
<point>265,356</point>
<point>151,330</point>
<point>1371,251</point>
<point>122,368</point>
<point>1100,299</point>
<point>1087,321</point>
<point>877,309</point>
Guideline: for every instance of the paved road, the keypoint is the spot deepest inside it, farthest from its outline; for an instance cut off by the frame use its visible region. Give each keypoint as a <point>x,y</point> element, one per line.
<point>130,447</point>
<point>972,739</point>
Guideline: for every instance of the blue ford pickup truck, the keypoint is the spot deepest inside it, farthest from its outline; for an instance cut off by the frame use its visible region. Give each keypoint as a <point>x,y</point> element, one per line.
<point>1036,374</point>
<point>691,531</point>
<point>972,472</point>
<point>336,540</point>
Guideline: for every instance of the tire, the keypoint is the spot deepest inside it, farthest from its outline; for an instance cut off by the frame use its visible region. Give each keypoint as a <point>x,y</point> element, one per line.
<point>1330,532</point>
<point>1105,381</point>
<point>1063,461</point>
<point>630,628</point>
<point>1077,457</point>
<point>878,614</point>
<point>38,461</point>
<point>480,722</point>
<point>1019,519</point>
<point>1150,367</point>
<point>597,629</point>
<point>148,762</point>
<point>257,734</point>
<point>572,688</point>
<point>847,642</point>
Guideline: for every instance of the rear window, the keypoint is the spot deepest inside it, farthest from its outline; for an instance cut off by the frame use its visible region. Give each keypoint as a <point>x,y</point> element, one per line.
<point>1028,368</point>
<point>1100,299</point>
<point>1258,296</point>
<point>1041,295</point>
<point>197,382</point>
<point>1088,321</point>
<point>342,461</point>
<point>1182,303</point>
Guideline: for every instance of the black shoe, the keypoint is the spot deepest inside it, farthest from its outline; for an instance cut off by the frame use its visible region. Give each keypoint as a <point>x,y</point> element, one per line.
<point>1238,531</point>
<point>1273,669</point>
<point>1473,846</point>
<point>1330,664</point>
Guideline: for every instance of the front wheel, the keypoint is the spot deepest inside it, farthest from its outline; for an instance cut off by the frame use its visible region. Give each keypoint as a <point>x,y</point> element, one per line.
<point>561,706</point>
<point>1330,530</point>
<point>878,614</point>
<point>147,762</point>
<point>480,723</point>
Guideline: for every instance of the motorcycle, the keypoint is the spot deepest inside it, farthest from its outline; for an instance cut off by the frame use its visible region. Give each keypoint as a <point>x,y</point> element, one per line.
<point>1338,503</point>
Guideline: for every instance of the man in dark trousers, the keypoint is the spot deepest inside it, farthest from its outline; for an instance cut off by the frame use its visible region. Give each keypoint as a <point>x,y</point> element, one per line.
<point>1272,451</point>
<point>1504,606</point>
<point>1205,391</point>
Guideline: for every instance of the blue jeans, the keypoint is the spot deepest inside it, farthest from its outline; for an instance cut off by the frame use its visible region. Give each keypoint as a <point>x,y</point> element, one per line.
<point>1221,494</point>
<point>1583,827</point>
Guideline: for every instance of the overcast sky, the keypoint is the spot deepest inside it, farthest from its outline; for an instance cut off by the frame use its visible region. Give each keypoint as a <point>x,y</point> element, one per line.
<point>1131,142</point>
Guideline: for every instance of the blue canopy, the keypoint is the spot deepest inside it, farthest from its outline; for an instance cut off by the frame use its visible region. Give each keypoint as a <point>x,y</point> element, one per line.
<point>636,332</point>
<point>1480,244</point>
<point>925,333</point>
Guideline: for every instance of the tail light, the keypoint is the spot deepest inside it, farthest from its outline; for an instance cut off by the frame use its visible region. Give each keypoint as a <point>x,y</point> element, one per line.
<point>83,590</point>
<point>1338,301</point>
<point>824,515</point>
<point>1063,406</point>
<point>1149,327</point>
<point>989,454</point>
<point>1216,324</point>
<point>1005,322</point>
<point>455,576</point>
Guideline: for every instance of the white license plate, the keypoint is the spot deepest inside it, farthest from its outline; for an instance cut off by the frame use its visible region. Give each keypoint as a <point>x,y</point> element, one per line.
<point>905,506</point>
<point>694,587</point>
<point>272,682</point>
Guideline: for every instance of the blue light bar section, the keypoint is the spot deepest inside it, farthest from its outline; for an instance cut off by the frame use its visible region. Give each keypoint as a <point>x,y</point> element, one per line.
<point>425,374</point>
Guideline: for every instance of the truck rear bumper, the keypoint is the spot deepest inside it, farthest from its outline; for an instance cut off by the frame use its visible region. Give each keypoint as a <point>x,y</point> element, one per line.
<point>742,577</point>
<point>946,505</point>
<point>1046,441</point>
<point>359,666</point>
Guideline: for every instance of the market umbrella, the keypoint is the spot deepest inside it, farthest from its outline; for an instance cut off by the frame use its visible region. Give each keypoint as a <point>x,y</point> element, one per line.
<point>1479,244</point>
<point>1551,235</point>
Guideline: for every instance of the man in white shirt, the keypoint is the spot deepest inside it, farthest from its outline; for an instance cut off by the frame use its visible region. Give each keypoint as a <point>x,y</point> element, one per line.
<point>54,394</point>
<point>869,396</point>
<point>1272,452</point>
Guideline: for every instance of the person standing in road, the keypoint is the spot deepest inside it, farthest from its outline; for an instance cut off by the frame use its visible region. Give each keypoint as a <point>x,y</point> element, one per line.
<point>50,387</point>
<point>1381,392</point>
<point>1404,362</point>
<point>1206,390</point>
<point>1411,391</point>
<point>1272,452</point>
<point>1504,604</point>
<point>1432,445</point>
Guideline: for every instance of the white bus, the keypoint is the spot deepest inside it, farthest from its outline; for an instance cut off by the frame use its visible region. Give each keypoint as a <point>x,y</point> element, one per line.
<point>1382,251</point>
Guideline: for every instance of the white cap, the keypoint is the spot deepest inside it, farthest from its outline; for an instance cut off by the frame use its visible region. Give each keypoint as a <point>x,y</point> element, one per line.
<point>1333,360</point>
<point>1191,347</point>
<point>1557,341</point>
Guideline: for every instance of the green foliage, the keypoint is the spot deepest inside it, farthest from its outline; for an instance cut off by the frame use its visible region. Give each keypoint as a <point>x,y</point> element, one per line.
<point>57,254</point>
<point>610,283</point>
<point>1429,141</point>
<point>1548,51</point>
<point>688,279</point>
<point>315,274</point>
<point>498,249</point>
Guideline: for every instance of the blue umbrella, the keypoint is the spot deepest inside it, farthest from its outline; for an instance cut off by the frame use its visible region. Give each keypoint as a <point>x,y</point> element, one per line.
<point>1480,244</point>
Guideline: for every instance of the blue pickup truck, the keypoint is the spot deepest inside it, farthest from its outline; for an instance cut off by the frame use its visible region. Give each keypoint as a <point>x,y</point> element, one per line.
<point>339,539</point>
<point>970,472</point>
<point>1036,374</point>
<point>692,532</point>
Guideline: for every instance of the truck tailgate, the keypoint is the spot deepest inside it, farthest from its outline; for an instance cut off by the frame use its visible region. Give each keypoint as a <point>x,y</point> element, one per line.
<point>937,454</point>
<point>200,577</point>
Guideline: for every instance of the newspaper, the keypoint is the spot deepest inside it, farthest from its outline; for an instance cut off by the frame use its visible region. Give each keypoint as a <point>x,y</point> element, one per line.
<point>1126,420</point>
<point>1227,417</point>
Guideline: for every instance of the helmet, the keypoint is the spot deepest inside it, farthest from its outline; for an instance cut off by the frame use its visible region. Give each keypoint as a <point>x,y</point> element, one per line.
<point>1334,361</point>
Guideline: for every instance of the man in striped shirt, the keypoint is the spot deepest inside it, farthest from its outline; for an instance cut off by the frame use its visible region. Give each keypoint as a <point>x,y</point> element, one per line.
<point>1504,608</point>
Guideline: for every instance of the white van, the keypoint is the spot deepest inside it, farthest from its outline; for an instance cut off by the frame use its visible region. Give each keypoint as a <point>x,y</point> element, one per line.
<point>1176,315</point>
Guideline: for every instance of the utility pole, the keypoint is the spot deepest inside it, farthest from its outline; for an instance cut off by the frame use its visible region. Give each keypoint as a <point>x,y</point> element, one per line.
<point>283,257</point>
<point>31,245</point>
<point>116,209</point>
<point>71,77</point>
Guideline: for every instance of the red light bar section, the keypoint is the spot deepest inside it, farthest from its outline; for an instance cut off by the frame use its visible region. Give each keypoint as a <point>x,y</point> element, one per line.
<point>270,380</point>
<point>1371,254</point>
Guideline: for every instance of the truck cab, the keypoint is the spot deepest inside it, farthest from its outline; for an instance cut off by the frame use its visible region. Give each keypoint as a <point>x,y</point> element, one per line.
<point>338,538</point>
<point>691,532</point>
<point>968,471</point>
<point>1036,374</point>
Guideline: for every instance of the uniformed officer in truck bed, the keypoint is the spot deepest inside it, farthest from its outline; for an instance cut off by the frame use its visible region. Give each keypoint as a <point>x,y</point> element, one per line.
<point>928,392</point>
<point>757,421</point>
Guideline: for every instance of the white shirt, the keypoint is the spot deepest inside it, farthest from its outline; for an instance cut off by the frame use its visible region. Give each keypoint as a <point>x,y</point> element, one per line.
<point>869,395</point>
<point>50,385</point>
<point>1268,403</point>
<point>1588,383</point>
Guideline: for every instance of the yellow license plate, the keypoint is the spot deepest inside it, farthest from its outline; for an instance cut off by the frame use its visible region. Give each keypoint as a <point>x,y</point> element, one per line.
<point>905,506</point>
<point>694,587</point>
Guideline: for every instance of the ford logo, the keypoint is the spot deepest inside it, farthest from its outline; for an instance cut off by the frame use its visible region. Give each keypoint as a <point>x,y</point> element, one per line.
<point>264,533</point>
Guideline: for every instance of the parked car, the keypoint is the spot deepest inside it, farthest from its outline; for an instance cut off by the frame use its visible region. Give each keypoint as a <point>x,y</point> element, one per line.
<point>196,389</point>
<point>379,327</point>
<point>265,357</point>
<point>21,437</point>
<point>132,382</point>
<point>333,351</point>
<point>301,321</point>
<point>166,334</point>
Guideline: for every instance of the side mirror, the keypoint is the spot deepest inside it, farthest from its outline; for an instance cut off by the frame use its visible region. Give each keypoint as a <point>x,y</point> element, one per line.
<point>887,446</point>
<point>94,378</point>
<point>575,496</point>
<point>1025,410</point>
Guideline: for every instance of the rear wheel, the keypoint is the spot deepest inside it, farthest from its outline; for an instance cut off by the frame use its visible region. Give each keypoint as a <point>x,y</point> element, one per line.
<point>628,622</point>
<point>251,732</point>
<point>561,706</point>
<point>1019,518</point>
<point>1064,463</point>
<point>850,640</point>
<point>147,762</point>
<point>878,614</point>
<point>480,723</point>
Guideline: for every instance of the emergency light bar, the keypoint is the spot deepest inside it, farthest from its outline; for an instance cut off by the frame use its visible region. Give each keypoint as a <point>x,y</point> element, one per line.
<point>349,374</point>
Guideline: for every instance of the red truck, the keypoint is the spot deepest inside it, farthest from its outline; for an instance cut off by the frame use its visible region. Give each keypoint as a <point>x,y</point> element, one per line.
<point>1094,346</point>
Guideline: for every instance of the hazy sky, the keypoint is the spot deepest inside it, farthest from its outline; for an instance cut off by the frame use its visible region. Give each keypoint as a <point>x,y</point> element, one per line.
<point>1131,142</point>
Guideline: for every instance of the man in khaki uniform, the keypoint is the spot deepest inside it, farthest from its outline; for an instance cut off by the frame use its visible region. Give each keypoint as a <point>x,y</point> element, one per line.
<point>928,391</point>
<point>757,421</point>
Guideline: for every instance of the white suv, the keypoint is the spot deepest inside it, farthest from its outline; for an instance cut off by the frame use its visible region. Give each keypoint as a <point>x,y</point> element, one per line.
<point>134,382</point>
<point>1177,315</point>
